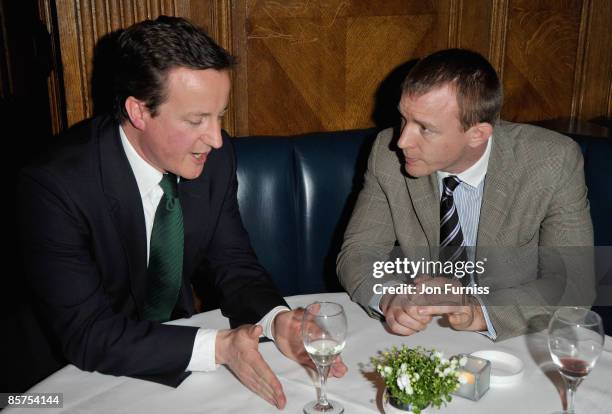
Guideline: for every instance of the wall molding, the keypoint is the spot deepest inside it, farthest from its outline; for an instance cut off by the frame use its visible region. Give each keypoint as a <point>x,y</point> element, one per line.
<point>499,29</point>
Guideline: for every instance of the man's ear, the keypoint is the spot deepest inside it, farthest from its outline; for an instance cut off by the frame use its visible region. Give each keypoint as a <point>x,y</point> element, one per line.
<point>136,111</point>
<point>479,134</point>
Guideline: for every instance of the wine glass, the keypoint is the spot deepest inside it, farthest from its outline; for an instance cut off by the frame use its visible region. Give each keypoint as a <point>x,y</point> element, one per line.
<point>575,340</point>
<point>324,333</point>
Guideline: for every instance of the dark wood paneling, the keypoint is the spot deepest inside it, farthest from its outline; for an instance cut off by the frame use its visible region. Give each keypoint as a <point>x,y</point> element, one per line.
<point>328,64</point>
<point>593,93</point>
<point>82,23</point>
<point>317,65</point>
<point>540,59</point>
<point>474,25</point>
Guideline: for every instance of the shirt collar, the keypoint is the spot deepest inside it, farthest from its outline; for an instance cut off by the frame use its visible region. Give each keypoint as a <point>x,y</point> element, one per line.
<point>474,175</point>
<point>147,177</point>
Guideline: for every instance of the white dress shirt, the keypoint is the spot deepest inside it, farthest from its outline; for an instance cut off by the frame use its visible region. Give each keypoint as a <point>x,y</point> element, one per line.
<point>148,178</point>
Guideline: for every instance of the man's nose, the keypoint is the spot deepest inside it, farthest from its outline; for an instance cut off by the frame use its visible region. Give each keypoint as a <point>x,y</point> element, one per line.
<point>213,136</point>
<point>408,137</point>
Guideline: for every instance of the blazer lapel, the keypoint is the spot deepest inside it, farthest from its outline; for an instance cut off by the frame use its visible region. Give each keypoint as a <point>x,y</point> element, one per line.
<point>125,204</point>
<point>500,184</point>
<point>426,203</point>
<point>195,203</point>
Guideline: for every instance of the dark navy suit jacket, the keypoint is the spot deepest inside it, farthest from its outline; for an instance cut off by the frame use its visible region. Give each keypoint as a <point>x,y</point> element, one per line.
<point>84,244</point>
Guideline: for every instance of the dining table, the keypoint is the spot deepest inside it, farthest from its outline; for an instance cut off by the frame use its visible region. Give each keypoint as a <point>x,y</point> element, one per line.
<point>539,390</point>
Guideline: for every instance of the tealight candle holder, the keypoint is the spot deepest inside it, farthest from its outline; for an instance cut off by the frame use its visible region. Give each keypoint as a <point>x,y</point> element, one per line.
<point>474,377</point>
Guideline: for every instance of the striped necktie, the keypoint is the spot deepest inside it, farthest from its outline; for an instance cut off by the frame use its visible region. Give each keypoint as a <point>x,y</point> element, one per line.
<point>451,236</point>
<point>164,274</point>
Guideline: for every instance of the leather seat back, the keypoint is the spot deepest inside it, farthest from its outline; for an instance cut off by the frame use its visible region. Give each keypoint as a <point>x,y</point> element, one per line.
<point>296,195</point>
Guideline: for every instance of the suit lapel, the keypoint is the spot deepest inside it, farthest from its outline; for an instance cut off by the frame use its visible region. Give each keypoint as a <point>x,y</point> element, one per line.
<point>195,203</point>
<point>500,184</point>
<point>426,203</point>
<point>125,204</point>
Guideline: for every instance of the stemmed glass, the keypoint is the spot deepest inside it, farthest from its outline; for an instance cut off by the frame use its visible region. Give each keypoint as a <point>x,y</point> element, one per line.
<point>324,334</point>
<point>575,340</point>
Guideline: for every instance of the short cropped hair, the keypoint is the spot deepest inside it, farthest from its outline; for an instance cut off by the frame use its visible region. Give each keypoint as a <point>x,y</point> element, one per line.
<point>477,86</point>
<point>148,50</point>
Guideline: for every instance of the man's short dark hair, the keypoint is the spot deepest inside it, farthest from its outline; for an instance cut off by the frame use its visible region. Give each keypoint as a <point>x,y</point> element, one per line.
<point>148,50</point>
<point>478,89</point>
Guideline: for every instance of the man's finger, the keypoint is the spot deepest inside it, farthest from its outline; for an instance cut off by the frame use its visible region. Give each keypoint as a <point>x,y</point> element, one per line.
<point>397,327</point>
<point>439,310</point>
<point>460,321</point>
<point>408,320</point>
<point>248,376</point>
<point>255,331</point>
<point>268,381</point>
<point>314,308</point>
<point>338,368</point>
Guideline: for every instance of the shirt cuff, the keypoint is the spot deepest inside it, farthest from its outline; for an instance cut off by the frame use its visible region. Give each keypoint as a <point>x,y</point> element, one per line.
<point>490,332</point>
<point>267,321</point>
<point>203,354</point>
<point>374,303</point>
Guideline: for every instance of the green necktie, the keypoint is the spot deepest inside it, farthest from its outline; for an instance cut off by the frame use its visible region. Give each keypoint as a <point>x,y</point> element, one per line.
<point>165,269</point>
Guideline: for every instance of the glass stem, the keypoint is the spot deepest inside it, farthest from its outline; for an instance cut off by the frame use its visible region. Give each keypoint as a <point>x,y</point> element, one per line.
<point>572,385</point>
<point>323,373</point>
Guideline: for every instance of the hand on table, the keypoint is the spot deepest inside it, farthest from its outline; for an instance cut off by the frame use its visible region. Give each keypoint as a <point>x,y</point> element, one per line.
<point>462,318</point>
<point>288,338</point>
<point>400,311</point>
<point>463,312</point>
<point>238,349</point>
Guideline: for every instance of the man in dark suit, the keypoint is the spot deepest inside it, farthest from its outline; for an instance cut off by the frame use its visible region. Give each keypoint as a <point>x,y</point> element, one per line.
<point>119,220</point>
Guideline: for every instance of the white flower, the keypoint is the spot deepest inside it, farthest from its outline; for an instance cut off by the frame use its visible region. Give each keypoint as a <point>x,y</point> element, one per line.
<point>404,367</point>
<point>416,376</point>
<point>403,382</point>
<point>438,354</point>
<point>387,370</point>
<point>409,390</point>
<point>443,361</point>
<point>463,361</point>
<point>447,371</point>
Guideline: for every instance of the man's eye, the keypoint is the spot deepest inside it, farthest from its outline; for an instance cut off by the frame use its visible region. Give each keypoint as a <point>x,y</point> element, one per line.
<point>194,123</point>
<point>424,130</point>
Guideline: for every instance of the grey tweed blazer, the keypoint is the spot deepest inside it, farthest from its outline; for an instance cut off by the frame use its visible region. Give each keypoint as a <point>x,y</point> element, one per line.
<point>534,197</point>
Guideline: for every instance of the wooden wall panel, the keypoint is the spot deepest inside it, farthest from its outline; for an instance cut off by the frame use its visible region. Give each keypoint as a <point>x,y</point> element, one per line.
<point>82,23</point>
<point>473,25</point>
<point>306,65</point>
<point>316,65</point>
<point>540,59</point>
<point>55,87</point>
<point>367,66</point>
<point>593,93</point>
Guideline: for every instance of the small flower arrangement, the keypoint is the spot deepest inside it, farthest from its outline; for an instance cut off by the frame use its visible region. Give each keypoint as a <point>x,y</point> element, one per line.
<point>419,377</point>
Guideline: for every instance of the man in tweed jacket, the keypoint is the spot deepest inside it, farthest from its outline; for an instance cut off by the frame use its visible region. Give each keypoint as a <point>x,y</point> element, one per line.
<point>521,187</point>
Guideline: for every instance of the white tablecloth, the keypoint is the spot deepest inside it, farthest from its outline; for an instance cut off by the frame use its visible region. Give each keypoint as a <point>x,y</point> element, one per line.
<point>360,390</point>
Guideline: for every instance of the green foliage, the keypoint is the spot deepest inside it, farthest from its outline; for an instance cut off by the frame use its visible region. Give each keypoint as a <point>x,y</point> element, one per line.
<point>418,377</point>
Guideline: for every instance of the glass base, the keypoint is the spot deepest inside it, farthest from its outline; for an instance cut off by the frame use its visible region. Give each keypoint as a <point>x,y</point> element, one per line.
<point>313,407</point>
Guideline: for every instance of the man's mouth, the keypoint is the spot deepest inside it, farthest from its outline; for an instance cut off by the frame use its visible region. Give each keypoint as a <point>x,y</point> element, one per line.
<point>200,157</point>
